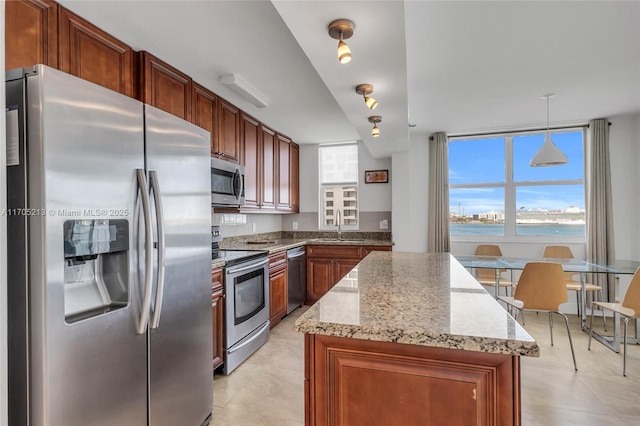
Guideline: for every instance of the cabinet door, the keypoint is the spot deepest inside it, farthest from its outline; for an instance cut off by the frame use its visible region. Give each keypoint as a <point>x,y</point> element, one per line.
<point>204,113</point>
<point>91,54</point>
<point>31,33</point>
<point>319,278</point>
<point>341,268</point>
<point>277,296</point>
<point>229,131</point>
<point>165,87</point>
<point>269,164</point>
<point>252,159</point>
<point>217,317</point>
<point>283,196</point>
<point>294,176</point>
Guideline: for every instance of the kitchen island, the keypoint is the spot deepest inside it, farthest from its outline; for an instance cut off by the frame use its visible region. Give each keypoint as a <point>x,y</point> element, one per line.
<point>412,339</point>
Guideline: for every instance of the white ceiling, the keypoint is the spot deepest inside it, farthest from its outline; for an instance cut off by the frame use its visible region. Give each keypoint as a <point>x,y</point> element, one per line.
<point>451,66</point>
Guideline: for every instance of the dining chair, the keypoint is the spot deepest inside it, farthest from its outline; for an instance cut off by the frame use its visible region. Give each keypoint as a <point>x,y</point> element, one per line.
<point>487,277</point>
<point>541,288</point>
<point>564,252</point>
<point>629,309</point>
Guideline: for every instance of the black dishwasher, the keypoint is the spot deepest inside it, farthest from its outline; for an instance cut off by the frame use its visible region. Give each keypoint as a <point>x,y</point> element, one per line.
<point>296,278</point>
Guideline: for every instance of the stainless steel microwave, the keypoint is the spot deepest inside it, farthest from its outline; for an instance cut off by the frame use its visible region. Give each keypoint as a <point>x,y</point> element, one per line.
<point>227,183</point>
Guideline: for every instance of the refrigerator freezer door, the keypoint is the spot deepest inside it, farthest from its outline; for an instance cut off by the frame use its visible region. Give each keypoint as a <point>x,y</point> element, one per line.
<point>180,348</point>
<point>84,145</point>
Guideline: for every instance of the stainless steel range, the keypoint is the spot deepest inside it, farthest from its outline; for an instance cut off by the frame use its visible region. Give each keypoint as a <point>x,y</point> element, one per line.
<point>246,281</point>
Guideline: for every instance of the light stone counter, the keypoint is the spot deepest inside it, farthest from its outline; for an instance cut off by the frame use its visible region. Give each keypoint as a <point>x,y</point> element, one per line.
<point>425,299</point>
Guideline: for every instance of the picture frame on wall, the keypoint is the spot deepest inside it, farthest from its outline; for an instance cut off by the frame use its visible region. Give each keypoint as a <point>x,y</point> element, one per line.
<point>376,176</point>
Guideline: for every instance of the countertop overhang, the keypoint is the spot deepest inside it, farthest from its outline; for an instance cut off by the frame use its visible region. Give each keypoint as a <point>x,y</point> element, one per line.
<point>426,299</point>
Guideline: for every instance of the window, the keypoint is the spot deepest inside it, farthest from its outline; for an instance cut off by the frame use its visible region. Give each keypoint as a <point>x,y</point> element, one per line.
<point>338,177</point>
<point>494,192</point>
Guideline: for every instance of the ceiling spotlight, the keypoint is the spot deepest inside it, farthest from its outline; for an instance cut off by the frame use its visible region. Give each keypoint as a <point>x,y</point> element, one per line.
<point>549,154</point>
<point>375,119</point>
<point>342,29</point>
<point>364,90</point>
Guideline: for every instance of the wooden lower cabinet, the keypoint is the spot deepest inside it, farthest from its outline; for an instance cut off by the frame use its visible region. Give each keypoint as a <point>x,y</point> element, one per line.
<point>277,287</point>
<point>328,264</point>
<point>359,382</point>
<point>217,316</point>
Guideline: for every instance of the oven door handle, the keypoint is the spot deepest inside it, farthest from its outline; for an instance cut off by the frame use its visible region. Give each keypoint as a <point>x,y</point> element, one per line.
<point>255,336</point>
<point>247,267</point>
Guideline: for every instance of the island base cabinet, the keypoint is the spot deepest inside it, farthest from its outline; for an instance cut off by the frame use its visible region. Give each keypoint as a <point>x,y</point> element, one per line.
<point>359,382</point>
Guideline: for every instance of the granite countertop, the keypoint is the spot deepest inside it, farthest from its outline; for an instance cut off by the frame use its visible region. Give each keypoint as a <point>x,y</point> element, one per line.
<point>425,299</point>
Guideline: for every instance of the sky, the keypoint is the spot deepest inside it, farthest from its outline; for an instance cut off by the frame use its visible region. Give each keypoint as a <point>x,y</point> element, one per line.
<point>482,161</point>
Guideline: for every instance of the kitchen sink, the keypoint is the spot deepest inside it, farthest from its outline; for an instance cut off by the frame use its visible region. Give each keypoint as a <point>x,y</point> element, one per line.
<point>262,242</point>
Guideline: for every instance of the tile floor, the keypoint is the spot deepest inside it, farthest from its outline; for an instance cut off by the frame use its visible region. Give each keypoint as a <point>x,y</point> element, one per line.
<point>267,389</point>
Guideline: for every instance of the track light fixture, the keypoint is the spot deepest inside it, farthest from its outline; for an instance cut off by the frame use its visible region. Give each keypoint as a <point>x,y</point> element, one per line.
<point>365,90</point>
<point>375,119</point>
<point>342,29</point>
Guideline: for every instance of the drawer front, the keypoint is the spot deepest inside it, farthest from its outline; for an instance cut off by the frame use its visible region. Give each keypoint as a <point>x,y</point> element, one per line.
<point>278,260</point>
<point>334,251</point>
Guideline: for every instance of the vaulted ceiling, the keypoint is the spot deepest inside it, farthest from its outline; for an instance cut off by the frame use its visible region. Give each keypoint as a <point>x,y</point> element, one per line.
<point>454,66</point>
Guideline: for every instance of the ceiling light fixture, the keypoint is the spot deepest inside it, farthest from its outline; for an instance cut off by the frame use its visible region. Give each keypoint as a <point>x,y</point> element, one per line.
<point>549,154</point>
<point>364,90</point>
<point>246,90</point>
<point>375,119</point>
<point>342,29</point>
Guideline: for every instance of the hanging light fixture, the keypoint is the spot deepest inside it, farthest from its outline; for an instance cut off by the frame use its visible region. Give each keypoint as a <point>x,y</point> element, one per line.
<point>364,90</point>
<point>342,29</point>
<point>549,154</point>
<point>375,119</point>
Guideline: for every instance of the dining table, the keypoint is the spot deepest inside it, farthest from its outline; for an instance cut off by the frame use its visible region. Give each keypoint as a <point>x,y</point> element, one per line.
<point>577,266</point>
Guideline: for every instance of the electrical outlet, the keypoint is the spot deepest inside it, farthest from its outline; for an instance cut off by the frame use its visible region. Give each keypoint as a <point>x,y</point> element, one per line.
<point>254,226</point>
<point>294,225</point>
<point>384,224</point>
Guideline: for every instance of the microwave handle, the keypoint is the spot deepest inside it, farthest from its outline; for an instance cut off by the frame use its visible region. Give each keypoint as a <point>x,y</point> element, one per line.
<point>238,176</point>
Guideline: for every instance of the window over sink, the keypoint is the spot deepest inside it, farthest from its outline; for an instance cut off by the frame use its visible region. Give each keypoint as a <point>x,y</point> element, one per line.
<point>338,192</point>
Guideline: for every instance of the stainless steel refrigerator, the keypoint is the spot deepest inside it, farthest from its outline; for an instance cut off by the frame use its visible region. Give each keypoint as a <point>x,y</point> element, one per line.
<point>109,221</point>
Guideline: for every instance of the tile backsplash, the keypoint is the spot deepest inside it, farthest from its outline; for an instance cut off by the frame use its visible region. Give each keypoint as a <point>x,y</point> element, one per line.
<point>237,224</point>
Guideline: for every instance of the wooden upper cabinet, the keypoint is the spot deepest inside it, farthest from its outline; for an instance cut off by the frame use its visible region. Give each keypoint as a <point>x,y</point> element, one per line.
<point>164,87</point>
<point>205,113</point>
<point>228,131</point>
<point>283,188</point>
<point>269,167</point>
<point>294,176</point>
<point>91,54</point>
<point>31,33</point>
<point>252,160</point>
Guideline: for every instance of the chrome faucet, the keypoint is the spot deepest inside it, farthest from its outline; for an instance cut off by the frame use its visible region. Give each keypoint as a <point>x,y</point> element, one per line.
<point>338,223</point>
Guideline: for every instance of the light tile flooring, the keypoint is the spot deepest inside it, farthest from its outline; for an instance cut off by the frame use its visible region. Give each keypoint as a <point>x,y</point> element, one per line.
<point>267,389</point>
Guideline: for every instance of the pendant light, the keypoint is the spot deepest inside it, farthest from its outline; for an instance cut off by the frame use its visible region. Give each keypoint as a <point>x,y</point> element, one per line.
<point>375,119</point>
<point>365,90</point>
<point>342,29</point>
<point>549,154</point>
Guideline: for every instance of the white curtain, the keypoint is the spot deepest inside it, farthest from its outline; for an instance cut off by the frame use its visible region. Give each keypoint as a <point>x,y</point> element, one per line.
<point>438,229</point>
<point>600,247</point>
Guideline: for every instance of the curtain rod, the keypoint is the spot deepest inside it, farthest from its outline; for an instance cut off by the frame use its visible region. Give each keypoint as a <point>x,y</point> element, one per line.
<point>533,129</point>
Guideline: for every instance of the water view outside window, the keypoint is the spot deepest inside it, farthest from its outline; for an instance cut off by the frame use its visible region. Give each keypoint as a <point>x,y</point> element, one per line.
<point>494,191</point>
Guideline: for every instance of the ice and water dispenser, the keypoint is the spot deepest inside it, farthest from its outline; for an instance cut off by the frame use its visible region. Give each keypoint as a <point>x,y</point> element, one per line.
<point>96,271</point>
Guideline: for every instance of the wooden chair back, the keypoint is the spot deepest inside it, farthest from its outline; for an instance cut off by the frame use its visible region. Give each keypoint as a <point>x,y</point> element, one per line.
<point>487,250</point>
<point>542,286</point>
<point>632,297</point>
<point>560,252</point>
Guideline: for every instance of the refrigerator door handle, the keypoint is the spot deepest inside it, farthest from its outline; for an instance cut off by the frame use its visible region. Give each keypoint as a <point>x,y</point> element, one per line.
<point>148,252</point>
<point>155,187</point>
